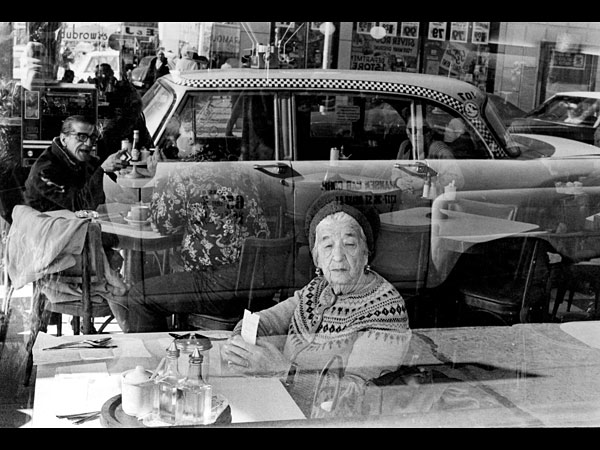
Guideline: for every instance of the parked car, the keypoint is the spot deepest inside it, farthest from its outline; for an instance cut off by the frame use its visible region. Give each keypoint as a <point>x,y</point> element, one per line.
<point>85,67</point>
<point>506,110</point>
<point>572,115</point>
<point>283,125</point>
<point>138,75</point>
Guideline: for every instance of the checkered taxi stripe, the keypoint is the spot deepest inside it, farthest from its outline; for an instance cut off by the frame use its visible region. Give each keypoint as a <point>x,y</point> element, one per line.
<point>345,85</point>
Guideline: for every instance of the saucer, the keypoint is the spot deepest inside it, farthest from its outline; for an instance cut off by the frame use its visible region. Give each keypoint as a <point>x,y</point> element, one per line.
<point>137,222</point>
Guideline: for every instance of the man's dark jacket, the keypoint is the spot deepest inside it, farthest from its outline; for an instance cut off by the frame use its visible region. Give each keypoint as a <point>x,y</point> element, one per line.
<point>58,181</point>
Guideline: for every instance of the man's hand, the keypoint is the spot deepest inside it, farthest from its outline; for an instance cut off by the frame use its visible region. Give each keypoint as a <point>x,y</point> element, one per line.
<point>114,163</point>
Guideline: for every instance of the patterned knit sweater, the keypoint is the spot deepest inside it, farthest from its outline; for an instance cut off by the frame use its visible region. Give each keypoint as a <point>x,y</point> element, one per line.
<point>368,329</point>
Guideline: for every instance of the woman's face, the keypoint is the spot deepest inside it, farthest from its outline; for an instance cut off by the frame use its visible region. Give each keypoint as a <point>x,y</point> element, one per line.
<point>341,250</point>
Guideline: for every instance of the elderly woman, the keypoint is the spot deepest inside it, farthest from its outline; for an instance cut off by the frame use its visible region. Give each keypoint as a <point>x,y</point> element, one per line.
<point>347,313</point>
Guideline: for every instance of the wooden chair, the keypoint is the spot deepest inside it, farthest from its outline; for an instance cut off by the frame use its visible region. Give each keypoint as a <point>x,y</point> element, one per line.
<point>507,281</point>
<point>578,264</point>
<point>583,272</point>
<point>264,269</point>
<point>89,268</point>
<point>402,256</point>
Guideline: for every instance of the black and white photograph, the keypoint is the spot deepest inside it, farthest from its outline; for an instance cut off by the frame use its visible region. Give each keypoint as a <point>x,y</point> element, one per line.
<point>300,224</point>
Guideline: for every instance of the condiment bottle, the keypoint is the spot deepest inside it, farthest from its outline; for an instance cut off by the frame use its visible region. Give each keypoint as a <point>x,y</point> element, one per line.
<point>136,146</point>
<point>166,388</point>
<point>187,347</point>
<point>195,407</point>
<point>427,186</point>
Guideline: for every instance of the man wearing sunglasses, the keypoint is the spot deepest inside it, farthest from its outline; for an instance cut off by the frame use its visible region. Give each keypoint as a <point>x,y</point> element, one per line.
<point>68,175</point>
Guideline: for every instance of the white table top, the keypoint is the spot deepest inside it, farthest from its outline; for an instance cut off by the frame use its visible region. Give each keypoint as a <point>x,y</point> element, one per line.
<point>72,381</point>
<point>451,236</point>
<point>459,229</point>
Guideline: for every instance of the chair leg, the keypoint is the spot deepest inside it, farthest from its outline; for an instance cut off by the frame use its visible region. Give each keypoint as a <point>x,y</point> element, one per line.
<point>105,324</point>
<point>59,325</point>
<point>570,301</point>
<point>76,325</point>
<point>38,322</point>
<point>560,295</point>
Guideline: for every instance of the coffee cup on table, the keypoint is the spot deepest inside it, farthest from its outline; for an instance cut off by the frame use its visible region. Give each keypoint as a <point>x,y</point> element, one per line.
<point>144,155</point>
<point>139,213</point>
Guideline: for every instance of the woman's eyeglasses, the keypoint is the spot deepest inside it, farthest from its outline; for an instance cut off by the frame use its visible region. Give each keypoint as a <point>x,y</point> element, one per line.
<point>83,137</point>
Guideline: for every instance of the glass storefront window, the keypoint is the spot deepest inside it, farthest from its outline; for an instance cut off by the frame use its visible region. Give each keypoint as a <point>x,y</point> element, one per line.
<point>353,223</point>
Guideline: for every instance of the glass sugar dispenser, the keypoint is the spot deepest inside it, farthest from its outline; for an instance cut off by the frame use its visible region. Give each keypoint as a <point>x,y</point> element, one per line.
<point>186,344</point>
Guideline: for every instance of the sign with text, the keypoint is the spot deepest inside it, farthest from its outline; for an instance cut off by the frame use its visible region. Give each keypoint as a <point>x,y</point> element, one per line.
<point>455,58</point>
<point>409,30</point>
<point>367,62</point>
<point>458,31</point>
<point>364,27</point>
<point>391,28</point>
<point>437,31</point>
<point>140,32</point>
<point>568,60</point>
<point>481,33</point>
<point>226,38</point>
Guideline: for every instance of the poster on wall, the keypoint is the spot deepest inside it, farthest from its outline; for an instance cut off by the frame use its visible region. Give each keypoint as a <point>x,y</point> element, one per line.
<point>437,31</point>
<point>456,59</point>
<point>458,31</point>
<point>409,30</point>
<point>389,53</point>
<point>480,33</point>
<point>32,105</point>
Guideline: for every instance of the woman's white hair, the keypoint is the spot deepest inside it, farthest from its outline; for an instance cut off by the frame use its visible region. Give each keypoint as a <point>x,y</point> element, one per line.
<point>340,218</point>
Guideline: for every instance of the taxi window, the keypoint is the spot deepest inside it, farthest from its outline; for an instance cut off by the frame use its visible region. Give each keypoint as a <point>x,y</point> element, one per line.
<point>156,106</point>
<point>223,126</point>
<point>361,126</point>
<point>457,133</point>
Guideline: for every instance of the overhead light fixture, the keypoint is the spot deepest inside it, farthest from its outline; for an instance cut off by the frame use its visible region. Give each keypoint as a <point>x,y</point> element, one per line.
<point>377,32</point>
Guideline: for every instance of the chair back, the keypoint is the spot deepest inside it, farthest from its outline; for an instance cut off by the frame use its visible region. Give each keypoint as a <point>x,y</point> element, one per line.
<point>264,268</point>
<point>498,210</point>
<point>402,256</point>
<point>88,269</point>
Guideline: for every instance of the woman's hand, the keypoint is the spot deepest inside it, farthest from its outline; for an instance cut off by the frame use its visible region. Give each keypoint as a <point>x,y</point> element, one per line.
<point>248,359</point>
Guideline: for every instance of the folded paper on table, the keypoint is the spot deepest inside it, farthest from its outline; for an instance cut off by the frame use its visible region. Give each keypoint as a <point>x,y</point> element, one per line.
<point>40,356</point>
<point>128,348</point>
<point>89,385</point>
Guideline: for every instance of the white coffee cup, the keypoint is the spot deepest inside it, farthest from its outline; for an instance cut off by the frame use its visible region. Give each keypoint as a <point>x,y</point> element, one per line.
<point>144,155</point>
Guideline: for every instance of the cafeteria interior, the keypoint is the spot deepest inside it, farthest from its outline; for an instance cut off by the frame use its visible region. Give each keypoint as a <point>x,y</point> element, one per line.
<point>16,399</point>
